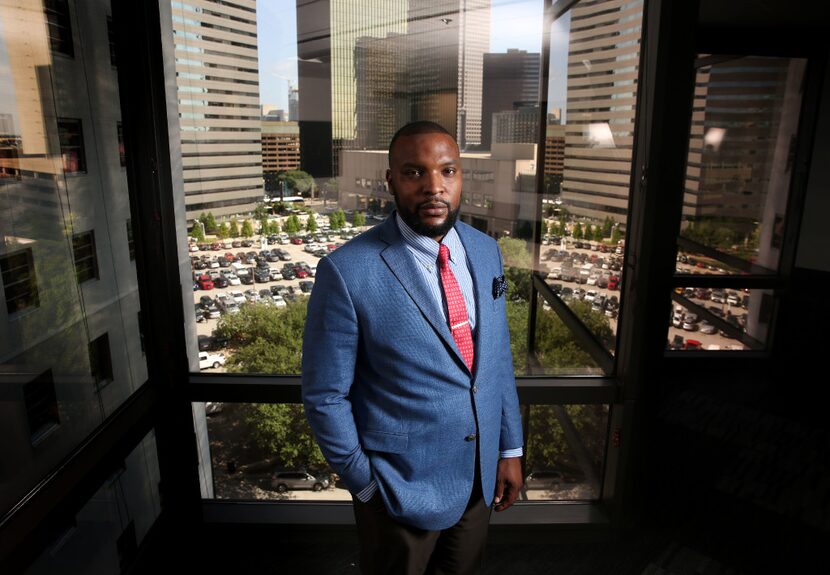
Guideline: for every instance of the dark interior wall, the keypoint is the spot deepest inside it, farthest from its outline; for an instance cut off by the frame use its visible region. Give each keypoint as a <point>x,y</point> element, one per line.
<point>814,240</point>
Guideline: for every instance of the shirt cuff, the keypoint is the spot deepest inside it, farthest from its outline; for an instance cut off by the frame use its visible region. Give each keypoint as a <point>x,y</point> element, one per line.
<point>518,452</point>
<point>367,492</point>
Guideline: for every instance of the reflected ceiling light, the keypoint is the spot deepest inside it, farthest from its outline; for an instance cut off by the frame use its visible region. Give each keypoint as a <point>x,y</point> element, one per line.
<point>446,20</point>
<point>714,137</point>
<point>599,135</point>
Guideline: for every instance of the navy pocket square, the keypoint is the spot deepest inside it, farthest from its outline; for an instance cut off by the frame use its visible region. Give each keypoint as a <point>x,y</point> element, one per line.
<point>499,286</point>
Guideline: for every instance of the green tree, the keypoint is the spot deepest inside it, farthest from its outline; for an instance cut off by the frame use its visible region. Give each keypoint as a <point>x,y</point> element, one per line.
<point>297,182</point>
<point>311,224</point>
<point>292,224</point>
<point>616,235</point>
<point>197,234</point>
<point>274,228</point>
<point>334,220</point>
<point>517,266</point>
<point>233,230</point>
<point>359,220</point>
<point>268,339</point>
<point>247,229</point>
<point>210,224</point>
<point>223,232</point>
<point>261,211</point>
<point>577,233</point>
<point>607,227</point>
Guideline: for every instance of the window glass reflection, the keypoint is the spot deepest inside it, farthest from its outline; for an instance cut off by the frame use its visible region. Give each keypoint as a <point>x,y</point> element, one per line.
<point>70,350</point>
<point>744,125</point>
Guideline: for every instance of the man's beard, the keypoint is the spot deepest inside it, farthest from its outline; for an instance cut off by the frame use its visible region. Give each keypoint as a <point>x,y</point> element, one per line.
<point>413,220</point>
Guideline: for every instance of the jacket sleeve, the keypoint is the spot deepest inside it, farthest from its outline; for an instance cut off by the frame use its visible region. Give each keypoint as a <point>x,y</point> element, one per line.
<point>511,420</point>
<point>328,365</point>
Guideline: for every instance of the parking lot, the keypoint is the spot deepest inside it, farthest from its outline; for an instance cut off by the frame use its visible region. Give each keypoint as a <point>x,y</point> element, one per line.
<point>233,266</point>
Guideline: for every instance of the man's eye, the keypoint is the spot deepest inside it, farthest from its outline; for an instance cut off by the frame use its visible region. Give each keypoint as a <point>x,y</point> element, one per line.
<point>450,171</point>
<point>412,173</point>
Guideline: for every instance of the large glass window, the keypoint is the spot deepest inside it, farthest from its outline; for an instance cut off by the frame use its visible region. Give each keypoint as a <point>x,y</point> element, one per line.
<point>739,172</point>
<point>64,210</point>
<point>285,113</point>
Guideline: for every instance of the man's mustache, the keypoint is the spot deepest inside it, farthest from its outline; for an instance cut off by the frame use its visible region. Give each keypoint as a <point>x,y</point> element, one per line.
<point>434,203</point>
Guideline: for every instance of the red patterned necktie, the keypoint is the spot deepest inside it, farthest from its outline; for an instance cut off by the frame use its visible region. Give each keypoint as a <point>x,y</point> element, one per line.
<point>456,309</point>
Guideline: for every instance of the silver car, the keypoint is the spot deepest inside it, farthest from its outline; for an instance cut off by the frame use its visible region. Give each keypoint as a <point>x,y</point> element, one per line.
<point>282,481</point>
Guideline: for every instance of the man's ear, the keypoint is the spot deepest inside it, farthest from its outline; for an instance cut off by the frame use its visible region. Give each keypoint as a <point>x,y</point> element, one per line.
<point>389,182</point>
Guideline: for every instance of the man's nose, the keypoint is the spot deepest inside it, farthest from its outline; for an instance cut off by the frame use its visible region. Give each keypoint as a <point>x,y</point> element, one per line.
<point>434,183</point>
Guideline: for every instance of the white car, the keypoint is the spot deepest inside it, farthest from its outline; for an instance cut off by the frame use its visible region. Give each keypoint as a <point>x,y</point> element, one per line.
<point>207,360</point>
<point>237,296</point>
<point>233,279</point>
<point>591,294</point>
<point>279,301</point>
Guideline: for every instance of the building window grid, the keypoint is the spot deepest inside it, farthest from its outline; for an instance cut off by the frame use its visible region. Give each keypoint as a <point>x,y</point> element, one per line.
<point>86,260</point>
<point>59,27</point>
<point>42,411</point>
<point>100,361</point>
<point>71,137</point>
<point>19,283</point>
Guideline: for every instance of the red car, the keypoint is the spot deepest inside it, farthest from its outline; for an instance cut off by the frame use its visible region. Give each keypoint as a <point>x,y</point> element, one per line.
<point>297,241</point>
<point>613,282</point>
<point>205,282</point>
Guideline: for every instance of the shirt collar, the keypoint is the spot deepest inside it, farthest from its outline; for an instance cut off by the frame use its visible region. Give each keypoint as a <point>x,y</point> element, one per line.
<point>427,248</point>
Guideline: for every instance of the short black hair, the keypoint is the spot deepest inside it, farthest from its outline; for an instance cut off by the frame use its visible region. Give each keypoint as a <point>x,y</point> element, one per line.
<point>415,128</point>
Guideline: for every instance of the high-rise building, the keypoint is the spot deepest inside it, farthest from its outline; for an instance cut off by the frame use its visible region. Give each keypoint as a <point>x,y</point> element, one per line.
<point>519,126</point>
<point>219,110</point>
<point>508,80</point>
<point>293,104</point>
<point>381,80</point>
<point>280,146</point>
<point>449,40</point>
<point>554,150</point>
<point>384,64</point>
<point>603,61</point>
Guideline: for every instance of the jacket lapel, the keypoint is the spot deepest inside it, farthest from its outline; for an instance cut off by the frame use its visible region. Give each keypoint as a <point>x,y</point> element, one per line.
<point>402,264</point>
<point>476,258</point>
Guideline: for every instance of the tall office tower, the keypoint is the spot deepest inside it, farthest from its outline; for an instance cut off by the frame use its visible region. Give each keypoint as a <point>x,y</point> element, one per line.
<point>519,126</point>
<point>555,152</point>
<point>740,105</point>
<point>603,60</point>
<point>508,80</point>
<point>280,145</point>
<point>381,80</point>
<point>219,111</point>
<point>449,40</point>
<point>293,103</point>
<point>327,34</point>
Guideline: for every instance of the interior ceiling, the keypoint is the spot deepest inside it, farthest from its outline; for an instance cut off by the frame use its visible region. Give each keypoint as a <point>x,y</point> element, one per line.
<point>764,13</point>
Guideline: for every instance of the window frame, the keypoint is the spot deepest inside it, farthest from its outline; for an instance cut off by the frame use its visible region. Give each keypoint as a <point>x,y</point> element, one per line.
<point>33,298</point>
<point>92,257</point>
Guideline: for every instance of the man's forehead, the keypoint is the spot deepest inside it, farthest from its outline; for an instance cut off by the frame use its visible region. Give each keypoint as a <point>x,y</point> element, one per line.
<point>416,142</point>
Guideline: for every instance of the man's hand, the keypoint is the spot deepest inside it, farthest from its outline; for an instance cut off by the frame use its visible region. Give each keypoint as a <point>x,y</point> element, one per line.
<point>508,482</point>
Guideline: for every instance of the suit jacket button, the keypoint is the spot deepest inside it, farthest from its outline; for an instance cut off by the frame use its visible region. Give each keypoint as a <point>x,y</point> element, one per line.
<point>475,389</point>
<point>470,437</point>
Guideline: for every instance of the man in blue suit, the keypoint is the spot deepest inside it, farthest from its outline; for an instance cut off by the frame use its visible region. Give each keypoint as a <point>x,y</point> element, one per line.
<point>407,371</point>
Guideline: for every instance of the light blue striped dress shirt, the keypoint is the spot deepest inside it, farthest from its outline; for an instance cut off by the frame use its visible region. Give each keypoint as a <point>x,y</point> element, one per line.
<point>425,252</point>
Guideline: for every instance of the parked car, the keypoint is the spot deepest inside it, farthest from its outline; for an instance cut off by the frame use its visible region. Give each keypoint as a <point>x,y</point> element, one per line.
<point>282,481</point>
<point>306,286</point>
<point>213,360</point>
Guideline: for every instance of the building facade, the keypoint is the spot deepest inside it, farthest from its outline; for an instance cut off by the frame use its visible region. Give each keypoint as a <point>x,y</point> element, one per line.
<point>217,78</point>
<point>603,56</point>
<point>280,146</point>
<point>509,81</point>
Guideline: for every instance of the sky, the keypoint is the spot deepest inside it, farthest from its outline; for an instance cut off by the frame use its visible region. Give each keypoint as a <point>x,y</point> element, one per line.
<point>513,24</point>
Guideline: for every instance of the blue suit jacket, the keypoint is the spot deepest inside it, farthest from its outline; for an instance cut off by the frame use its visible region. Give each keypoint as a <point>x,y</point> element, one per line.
<point>385,389</point>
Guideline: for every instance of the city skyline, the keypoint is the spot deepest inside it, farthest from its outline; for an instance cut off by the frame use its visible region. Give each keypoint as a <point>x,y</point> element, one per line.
<point>277,32</point>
